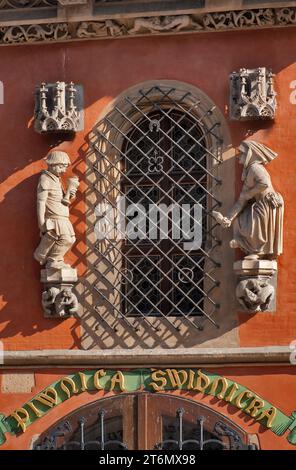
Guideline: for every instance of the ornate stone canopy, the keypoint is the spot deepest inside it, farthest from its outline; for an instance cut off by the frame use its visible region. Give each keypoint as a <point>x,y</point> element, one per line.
<point>31,21</point>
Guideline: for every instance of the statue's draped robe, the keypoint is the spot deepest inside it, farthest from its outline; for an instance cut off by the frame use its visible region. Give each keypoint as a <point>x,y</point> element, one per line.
<point>258,229</point>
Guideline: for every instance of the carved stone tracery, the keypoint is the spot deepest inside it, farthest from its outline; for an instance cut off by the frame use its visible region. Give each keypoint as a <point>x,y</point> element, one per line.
<point>252,95</point>
<point>8,4</point>
<point>126,27</point>
<point>34,33</point>
<point>58,107</point>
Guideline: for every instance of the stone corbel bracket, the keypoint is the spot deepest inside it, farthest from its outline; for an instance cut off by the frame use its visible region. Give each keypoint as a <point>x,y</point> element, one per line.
<point>58,300</point>
<point>256,285</point>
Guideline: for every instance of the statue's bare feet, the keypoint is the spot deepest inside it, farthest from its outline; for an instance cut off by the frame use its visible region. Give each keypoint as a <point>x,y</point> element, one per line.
<point>233,244</point>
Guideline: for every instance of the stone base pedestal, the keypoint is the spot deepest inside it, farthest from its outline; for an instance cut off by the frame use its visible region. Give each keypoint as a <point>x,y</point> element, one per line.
<point>256,286</point>
<point>58,300</point>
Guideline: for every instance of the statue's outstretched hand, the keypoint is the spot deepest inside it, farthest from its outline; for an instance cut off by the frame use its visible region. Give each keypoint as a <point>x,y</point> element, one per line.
<point>224,221</point>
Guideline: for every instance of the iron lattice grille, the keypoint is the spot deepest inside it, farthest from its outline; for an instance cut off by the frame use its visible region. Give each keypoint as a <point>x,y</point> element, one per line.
<point>161,155</point>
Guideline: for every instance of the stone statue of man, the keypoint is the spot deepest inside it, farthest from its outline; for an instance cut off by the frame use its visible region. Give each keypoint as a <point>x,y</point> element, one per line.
<point>57,234</point>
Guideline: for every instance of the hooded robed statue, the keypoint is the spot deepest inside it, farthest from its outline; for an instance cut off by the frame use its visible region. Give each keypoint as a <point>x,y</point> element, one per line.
<point>257,216</point>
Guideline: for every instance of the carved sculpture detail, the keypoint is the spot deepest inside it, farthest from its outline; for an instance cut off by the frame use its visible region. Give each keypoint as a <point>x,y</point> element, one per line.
<point>257,219</point>
<point>59,302</point>
<point>239,19</point>
<point>220,21</point>
<point>255,295</point>
<point>57,108</point>
<point>7,4</point>
<point>57,237</point>
<point>257,216</point>
<point>34,33</point>
<point>164,23</point>
<point>252,95</point>
<point>57,234</point>
<point>94,29</point>
<point>66,3</point>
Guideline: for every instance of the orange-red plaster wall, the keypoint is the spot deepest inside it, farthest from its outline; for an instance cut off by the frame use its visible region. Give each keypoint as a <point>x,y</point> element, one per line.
<point>105,69</point>
<point>275,385</point>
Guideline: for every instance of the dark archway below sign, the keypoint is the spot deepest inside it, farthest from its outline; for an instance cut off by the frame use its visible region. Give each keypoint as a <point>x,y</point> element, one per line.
<point>145,421</point>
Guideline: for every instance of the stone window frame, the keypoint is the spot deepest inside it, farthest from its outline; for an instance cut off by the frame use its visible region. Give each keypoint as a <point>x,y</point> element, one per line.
<point>227,317</point>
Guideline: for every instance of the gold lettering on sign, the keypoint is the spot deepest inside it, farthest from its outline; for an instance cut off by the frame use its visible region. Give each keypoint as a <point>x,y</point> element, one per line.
<point>83,381</point>
<point>269,414</point>
<point>118,378</point>
<point>155,377</point>
<point>70,382</point>
<point>242,396</point>
<point>49,397</point>
<point>191,379</point>
<point>21,420</point>
<point>100,373</point>
<point>175,379</point>
<point>202,382</point>
<point>231,394</point>
<point>215,386</point>
<point>254,407</point>
<point>34,409</point>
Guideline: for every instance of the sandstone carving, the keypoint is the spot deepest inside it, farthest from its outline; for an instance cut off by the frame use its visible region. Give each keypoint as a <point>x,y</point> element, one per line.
<point>94,29</point>
<point>255,295</point>
<point>286,16</point>
<point>91,29</point>
<point>57,234</point>
<point>34,33</point>
<point>58,108</point>
<point>239,19</point>
<point>6,4</point>
<point>257,220</point>
<point>163,24</point>
<point>59,302</point>
<point>57,237</point>
<point>66,3</point>
<point>48,299</point>
<point>252,95</point>
<point>257,216</point>
<point>220,21</point>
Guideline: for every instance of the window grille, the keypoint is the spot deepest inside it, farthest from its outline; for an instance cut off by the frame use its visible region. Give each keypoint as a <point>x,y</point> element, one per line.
<point>159,149</point>
<point>107,434</point>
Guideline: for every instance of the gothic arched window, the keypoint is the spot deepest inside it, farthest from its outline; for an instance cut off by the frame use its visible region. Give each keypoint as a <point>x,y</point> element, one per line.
<point>157,158</point>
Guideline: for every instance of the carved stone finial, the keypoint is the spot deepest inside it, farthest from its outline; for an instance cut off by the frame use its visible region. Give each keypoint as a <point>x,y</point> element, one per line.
<point>58,107</point>
<point>57,237</point>
<point>252,94</point>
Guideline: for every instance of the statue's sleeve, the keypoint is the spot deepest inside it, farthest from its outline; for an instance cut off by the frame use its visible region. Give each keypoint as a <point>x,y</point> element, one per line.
<point>42,193</point>
<point>43,185</point>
